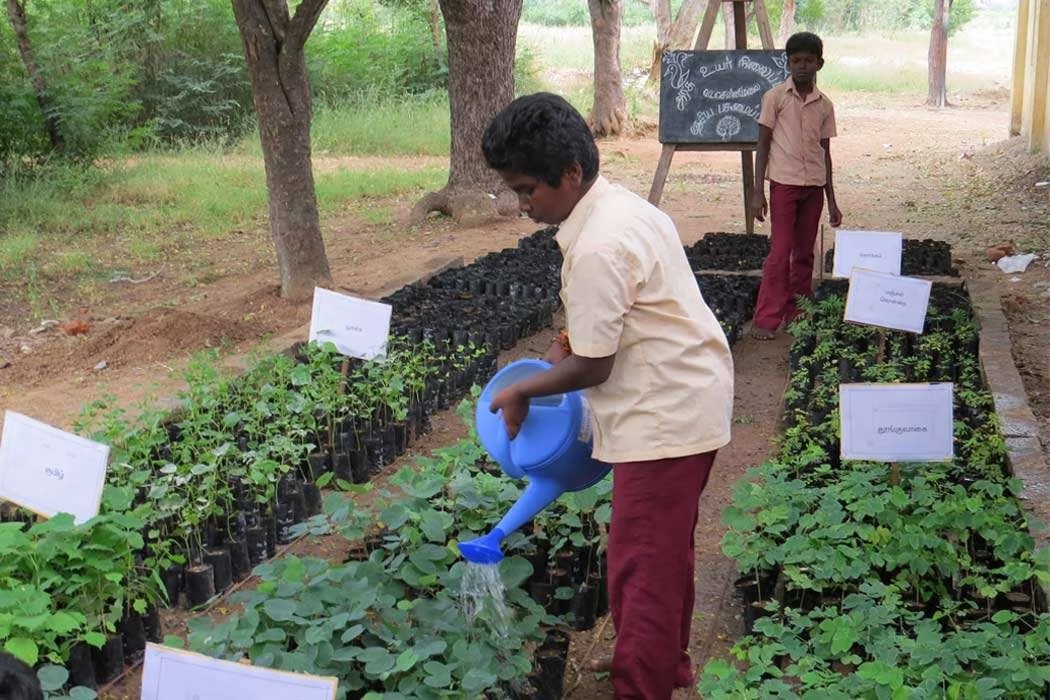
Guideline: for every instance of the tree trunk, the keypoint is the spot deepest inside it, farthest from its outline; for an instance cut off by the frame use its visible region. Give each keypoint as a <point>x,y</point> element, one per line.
<point>16,12</point>
<point>609,114</point>
<point>679,35</point>
<point>787,22</point>
<point>437,34</point>
<point>481,36</point>
<point>274,48</point>
<point>937,58</point>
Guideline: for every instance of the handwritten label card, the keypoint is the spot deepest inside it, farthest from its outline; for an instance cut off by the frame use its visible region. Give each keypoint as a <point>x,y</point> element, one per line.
<point>358,327</point>
<point>879,299</point>
<point>50,471</point>
<point>872,250</point>
<point>896,422</point>
<point>173,674</point>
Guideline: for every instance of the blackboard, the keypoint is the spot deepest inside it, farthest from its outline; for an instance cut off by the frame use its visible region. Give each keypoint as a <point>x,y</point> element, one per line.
<point>715,97</point>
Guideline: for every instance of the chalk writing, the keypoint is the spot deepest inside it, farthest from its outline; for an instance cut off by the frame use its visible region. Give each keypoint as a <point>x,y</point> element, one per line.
<point>699,88</point>
<point>734,94</point>
<point>772,75</point>
<point>724,65</point>
<point>677,75</point>
<point>740,108</point>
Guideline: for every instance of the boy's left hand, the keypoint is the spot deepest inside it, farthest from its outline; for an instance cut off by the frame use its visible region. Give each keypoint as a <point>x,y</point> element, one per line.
<point>834,215</point>
<point>515,407</point>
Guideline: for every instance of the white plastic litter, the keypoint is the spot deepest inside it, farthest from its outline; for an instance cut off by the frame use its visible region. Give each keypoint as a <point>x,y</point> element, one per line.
<point>1015,263</point>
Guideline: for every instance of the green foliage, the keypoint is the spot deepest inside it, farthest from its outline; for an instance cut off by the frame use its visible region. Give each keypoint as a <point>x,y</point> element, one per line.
<point>914,588</point>
<point>557,13</point>
<point>836,16</point>
<point>390,619</point>
<point>364,48</point>
<point>61,583</point>
<point>156,73</point>
<point>574,13</point>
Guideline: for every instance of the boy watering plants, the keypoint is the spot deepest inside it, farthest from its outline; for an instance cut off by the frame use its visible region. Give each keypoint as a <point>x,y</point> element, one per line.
<point>655,365</point>
<point>794,134</point>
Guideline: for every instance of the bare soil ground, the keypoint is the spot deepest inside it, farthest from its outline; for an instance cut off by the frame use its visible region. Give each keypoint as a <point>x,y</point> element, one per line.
<point>944,174</point>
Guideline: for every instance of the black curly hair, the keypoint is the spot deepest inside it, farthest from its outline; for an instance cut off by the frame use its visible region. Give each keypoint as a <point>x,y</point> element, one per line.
<point>804,41</point>
<point>540,135</point>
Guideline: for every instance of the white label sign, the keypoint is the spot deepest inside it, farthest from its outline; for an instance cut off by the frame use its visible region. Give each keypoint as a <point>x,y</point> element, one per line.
<point>879,299</point>
<point>173,674</point>
<point>50,471</point>
<point>358,327</point>
<point>872,250</point>
<point>896,422</point>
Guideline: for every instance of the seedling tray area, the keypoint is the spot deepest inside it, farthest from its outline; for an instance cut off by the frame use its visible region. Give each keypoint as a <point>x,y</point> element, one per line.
<point>870,580</point>
<point>919,257</point>
<point>200,498</point>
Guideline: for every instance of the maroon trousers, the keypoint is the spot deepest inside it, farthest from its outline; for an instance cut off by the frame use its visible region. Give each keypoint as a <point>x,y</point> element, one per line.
<point>654,512</point>
<point>794,213</point>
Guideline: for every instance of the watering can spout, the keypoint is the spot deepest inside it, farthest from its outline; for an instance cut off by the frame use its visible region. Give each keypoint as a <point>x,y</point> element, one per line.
<point>539,494</point>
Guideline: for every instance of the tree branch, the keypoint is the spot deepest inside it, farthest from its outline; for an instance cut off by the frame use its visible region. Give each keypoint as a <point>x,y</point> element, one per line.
<point>305,20</point>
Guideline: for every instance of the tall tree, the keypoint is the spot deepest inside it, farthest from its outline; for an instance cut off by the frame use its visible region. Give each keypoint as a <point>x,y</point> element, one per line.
<point>673,35</point>
<point>481,36</point>
<point>609,113</point>
<point>274,45</point>
<point>937,59</point>
<point>16,12</point>
<point>787,21</point>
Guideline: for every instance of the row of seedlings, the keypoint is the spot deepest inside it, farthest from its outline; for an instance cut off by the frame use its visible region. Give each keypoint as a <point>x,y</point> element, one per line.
<point>201,496</point>
<point>219,485</point>
<point>399,629</point>
<point>863,579</point>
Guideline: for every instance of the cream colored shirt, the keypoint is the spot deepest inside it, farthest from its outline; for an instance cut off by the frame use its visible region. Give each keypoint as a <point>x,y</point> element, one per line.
<point>795,154</point>
<point>628,290</point>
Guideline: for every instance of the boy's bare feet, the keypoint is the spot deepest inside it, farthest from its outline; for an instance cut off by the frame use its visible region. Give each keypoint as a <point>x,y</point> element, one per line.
<point>762,333</point>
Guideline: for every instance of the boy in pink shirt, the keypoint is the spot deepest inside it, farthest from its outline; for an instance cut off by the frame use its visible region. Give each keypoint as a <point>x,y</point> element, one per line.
<point>794,133</point>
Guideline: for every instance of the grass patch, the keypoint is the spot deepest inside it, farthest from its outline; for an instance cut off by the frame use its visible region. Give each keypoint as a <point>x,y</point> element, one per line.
<point>336,188</point>
<point>63,229</point>
<point>210,192</point>
<point>376,126</point>
<point>15,249</point>
<point>73,262</point>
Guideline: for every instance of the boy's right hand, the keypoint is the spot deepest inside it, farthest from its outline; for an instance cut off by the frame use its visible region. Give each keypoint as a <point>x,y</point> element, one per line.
<point>758,204</point>
<point>515,407</point>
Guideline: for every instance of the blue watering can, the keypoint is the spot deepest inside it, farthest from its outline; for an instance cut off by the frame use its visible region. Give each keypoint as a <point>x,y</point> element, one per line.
<point>552,449</point>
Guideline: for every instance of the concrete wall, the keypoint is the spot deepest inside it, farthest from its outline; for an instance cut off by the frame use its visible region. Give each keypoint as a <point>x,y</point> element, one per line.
<point>1030,98</point>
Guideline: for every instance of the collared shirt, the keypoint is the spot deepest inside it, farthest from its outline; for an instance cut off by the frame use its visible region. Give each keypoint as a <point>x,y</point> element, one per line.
<point>798,124</point>
<point>628,290</point>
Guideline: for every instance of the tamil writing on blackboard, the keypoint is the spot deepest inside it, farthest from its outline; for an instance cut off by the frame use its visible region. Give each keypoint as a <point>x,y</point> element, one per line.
<point>716,96</point>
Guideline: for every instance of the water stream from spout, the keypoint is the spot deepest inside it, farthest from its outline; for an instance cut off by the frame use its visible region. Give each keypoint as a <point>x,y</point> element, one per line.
<point>482,594</point>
